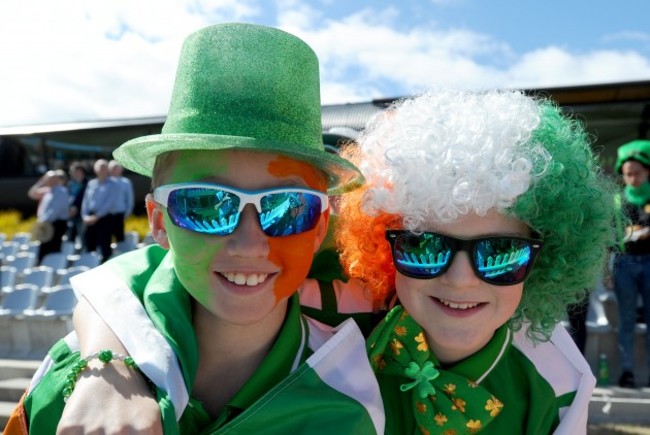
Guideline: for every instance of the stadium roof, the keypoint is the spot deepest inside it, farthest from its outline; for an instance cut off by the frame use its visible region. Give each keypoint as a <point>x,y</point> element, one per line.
<point>613,113</point>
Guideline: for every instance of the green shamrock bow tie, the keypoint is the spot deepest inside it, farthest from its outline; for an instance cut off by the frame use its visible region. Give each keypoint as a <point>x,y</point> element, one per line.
<point>443,402</point>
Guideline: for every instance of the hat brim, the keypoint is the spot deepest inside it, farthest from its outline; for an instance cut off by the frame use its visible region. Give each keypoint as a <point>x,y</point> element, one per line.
<point>139,155</point>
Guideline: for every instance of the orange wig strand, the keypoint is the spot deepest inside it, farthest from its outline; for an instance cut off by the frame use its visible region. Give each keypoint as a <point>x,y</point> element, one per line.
<point>364,252</point>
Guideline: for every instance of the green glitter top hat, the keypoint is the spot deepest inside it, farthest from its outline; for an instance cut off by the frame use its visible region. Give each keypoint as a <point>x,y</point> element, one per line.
<point>638,150</point>
<point>248,87</point>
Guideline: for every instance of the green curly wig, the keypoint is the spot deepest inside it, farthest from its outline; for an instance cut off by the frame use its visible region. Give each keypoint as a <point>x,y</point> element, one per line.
<point>572,208</point>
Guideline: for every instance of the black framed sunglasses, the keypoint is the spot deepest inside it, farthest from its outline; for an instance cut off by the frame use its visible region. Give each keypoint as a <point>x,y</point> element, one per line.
<point>497,260</point>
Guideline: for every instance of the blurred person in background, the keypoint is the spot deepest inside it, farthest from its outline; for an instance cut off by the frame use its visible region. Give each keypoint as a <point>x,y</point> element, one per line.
<point>578,322</point>
<point>124,204</point>
<point>99,201</point>
<point>52,213</point>
<point>632,270</point>
<point>76,189</point>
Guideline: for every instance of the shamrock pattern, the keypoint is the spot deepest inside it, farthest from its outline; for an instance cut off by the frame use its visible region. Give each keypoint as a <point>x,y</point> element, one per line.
<point>443,402</point>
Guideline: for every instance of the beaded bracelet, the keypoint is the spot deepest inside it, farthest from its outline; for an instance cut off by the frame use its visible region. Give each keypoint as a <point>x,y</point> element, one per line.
<point>104,356</point>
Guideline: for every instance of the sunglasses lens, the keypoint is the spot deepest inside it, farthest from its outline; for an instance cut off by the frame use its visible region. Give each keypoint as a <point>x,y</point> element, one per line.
<point>503,260</point>
<point>288,213</point>
<point>206,211</point>
<point>496,260</point>
<point>421,255</point>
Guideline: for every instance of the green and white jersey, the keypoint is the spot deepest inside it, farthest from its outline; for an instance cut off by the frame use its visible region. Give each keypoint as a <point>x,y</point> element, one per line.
<point>545,387</point>
<point>315,379</point>
<point>539,389</point>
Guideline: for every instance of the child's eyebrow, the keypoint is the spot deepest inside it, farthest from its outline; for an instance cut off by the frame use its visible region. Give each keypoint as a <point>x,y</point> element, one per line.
<point>291,181</point>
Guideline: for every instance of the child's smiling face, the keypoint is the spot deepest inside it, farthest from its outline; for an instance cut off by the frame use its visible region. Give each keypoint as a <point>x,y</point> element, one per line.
<point>243,277</point>
<point>458,311</point>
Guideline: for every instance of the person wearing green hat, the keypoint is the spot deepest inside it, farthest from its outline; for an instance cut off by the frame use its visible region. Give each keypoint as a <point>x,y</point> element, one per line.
<point>210,315</point>
<point>632,271</point>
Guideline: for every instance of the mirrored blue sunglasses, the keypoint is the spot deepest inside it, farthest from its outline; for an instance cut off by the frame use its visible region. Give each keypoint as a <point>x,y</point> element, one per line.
<point>497,260</point>
<point>215,209</point>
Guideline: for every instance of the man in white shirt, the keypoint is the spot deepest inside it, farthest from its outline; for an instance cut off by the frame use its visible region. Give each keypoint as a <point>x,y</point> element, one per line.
<point>100,198</point>
<point>53,210</point>
<point>124,205</point>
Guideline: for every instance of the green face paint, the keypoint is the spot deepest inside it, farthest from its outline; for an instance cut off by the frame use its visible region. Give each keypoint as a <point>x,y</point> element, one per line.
<point>192,256</point>
<point>193,252</point>
<point>198,166</point>
<point>243,277</point>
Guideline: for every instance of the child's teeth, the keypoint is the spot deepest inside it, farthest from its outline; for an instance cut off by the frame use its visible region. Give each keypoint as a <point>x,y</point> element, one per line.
<point>241,279</point>
<point>457,306</point>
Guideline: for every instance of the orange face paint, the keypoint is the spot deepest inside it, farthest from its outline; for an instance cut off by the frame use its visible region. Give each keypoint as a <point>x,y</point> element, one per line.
<point>284,166</point>
<point>294,254</point>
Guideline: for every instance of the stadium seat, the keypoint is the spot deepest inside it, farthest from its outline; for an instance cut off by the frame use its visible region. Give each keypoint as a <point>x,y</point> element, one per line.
<point>42,276</point>
<point>34,246</point>
<point>89,259</point>
<point>22,238</point>
<point>55,260</point>
<point>64,275</point>
<point>10,248</point>
<point>7,276</point>
<point>60,301</point>
<point>21,261</point>
<point>53,320</point>
<point>22,297</point>
<point>68,248</point>
<point>14,335</point>
<point>124,246</point>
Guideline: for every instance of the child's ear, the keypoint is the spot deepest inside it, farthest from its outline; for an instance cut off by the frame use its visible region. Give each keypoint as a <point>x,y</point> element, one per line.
<point>156,216</point>
<point>321,232</point>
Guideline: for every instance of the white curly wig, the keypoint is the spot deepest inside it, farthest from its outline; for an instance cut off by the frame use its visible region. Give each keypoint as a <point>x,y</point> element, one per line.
<point>445,154</point>
<point>420,167</point>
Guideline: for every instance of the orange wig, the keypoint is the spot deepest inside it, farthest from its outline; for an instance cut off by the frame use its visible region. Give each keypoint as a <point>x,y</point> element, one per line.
<point>363,248</point>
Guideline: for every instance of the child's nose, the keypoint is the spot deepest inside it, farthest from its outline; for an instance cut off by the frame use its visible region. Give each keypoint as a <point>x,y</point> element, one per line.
<point>460,272</point>
<point>248,239</point>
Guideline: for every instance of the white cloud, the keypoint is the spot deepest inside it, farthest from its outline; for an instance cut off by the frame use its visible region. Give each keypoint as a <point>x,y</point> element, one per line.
<point>554,66</point>
<point>383,59</point>
<point>69,60</point>
<point>292,14</point>
<point>76,60</point>
<point>365,45</point>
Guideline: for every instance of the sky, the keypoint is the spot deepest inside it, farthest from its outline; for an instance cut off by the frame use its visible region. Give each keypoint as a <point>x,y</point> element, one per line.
<point>87,60</point>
